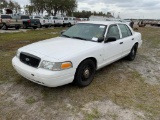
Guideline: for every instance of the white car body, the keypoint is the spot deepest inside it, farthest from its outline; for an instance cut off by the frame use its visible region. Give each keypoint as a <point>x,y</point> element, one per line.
<point>72,20</point>
<point>56,21</point>
<point>63,49</point>
<point>45,21</point>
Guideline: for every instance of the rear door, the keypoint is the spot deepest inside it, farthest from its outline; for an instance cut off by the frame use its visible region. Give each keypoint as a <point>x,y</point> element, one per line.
<point>113,50</point>
<point>127,37</point>
<point>16,20</point>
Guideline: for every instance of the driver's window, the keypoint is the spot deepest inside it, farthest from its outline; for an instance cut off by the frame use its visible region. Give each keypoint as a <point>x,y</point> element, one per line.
<point>113,31</point>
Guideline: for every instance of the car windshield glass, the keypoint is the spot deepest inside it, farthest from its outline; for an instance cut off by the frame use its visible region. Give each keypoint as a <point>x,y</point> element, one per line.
<point>86,31</point>
<point>6,17</point>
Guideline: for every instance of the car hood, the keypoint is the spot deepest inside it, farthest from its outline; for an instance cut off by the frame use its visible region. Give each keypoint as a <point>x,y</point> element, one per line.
<point>59,47</point>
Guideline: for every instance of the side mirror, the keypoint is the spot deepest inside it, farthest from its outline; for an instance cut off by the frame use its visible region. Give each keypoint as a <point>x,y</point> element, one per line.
<point>100,39</point>
<point>110,39</point>
<point>62,32</point>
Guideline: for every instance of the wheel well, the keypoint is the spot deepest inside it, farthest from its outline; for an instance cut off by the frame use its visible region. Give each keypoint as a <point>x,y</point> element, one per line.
<point>91,58</point>
<point>137,44</point>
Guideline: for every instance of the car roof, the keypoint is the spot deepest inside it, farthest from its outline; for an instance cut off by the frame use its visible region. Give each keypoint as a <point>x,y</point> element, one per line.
<point>102,22</point>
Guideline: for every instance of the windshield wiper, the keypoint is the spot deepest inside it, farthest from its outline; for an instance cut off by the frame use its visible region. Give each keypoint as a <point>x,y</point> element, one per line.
<point>79,38</point>
<point>66,36</point>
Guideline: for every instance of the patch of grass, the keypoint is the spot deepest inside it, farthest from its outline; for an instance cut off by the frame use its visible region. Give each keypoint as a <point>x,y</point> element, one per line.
<point>30,100</point>
<point>150,35</point>
<point>12,41</point>
<point>113,116</point>
<point>93,116</point>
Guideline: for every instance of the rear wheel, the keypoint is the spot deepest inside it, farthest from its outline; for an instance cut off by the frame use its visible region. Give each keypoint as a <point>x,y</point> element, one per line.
<point>133,53</point>
<point>85,73</point>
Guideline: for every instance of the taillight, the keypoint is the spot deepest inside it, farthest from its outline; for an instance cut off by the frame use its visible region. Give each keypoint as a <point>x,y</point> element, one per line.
<point>0,20</point>
<point>29,21</point>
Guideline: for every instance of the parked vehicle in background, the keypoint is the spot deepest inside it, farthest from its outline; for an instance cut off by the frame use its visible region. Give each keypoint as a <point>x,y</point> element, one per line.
<point>6,21</point>
<point>44,21</point>
<point>56,21</point>
<point>72,20</point>
<point>77,53</point>
<point>155,23</point>
<point>65,21</point>
<point>27,22</point>
<point>128,22</point>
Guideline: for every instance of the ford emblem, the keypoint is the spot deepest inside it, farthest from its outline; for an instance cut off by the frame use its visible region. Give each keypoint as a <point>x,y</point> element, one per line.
<point>27,59</point>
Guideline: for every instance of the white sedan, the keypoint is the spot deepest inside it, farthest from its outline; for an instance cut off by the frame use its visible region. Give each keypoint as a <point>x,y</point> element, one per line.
<point>77,53</point>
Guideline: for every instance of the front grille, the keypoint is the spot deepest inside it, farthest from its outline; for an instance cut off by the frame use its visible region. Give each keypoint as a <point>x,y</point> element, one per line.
<point>29,59</point>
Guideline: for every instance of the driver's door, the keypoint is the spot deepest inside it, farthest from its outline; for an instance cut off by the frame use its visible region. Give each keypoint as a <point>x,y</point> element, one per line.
<point>113,50</point>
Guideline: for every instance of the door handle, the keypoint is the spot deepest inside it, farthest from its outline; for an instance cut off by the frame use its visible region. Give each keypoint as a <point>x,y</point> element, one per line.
<point>121,43</point>
<point>132,38</point>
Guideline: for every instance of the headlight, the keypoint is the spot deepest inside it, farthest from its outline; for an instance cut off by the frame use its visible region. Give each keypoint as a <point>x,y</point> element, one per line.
<point>55,66</point>
<point>18,54</point>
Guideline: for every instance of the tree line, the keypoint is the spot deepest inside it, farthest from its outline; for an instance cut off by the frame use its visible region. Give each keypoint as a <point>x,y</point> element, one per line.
<point>87,14</point>
<point>9,4</point>
<point>52,6</point>
<point>69,7</point>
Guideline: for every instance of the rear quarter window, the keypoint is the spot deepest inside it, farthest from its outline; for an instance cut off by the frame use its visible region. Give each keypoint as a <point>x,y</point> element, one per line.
<point>125,31</point>
<point>65,18</point>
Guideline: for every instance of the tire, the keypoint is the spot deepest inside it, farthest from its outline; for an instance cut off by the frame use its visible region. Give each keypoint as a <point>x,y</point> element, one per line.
<point>85,73</point>
<point>46,26</point>
<point>39,25</point>
<point>4,27</point>
<point>133,53</point>
<point>69,25</point>
<point>25,26</point>
<point>34,27</point>
<point>17,27</point>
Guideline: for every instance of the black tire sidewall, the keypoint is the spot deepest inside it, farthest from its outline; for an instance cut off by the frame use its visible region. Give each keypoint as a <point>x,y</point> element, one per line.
<point>78,78</point>
<point>133,53</point>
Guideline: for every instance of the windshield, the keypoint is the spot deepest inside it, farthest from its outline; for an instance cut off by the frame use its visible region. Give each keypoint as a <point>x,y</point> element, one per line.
<point>86,31</point>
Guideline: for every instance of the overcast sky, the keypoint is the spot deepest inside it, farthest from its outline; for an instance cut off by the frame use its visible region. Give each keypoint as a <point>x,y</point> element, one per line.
<point>126,8</point>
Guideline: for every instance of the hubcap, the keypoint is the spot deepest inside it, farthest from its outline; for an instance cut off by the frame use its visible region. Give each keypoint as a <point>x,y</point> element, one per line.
<point>86,73</point>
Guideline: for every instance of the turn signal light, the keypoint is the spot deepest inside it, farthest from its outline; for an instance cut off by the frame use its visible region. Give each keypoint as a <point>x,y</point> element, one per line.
<point>66,65</point>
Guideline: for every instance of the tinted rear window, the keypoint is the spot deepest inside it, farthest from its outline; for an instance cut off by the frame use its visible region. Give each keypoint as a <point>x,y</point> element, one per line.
<point>37,17</point>
<point>55,18</point>
<point>25,17</point>
<point>65,18</point>
<point>6,17</point>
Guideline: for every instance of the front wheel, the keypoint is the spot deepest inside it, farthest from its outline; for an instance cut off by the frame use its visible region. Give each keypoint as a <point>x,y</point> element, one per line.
<point>69,25</point>
<point>46,26</point>
<point>133,53</point>
<point>17,27</point>
<point>4,27</point>
<point>85,73</point>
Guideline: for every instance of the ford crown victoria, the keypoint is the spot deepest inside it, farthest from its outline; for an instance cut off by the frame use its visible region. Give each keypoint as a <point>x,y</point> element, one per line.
<point>77,53</point>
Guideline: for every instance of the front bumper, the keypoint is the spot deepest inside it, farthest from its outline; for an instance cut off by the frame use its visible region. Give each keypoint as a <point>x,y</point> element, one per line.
<point>42,76</point>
